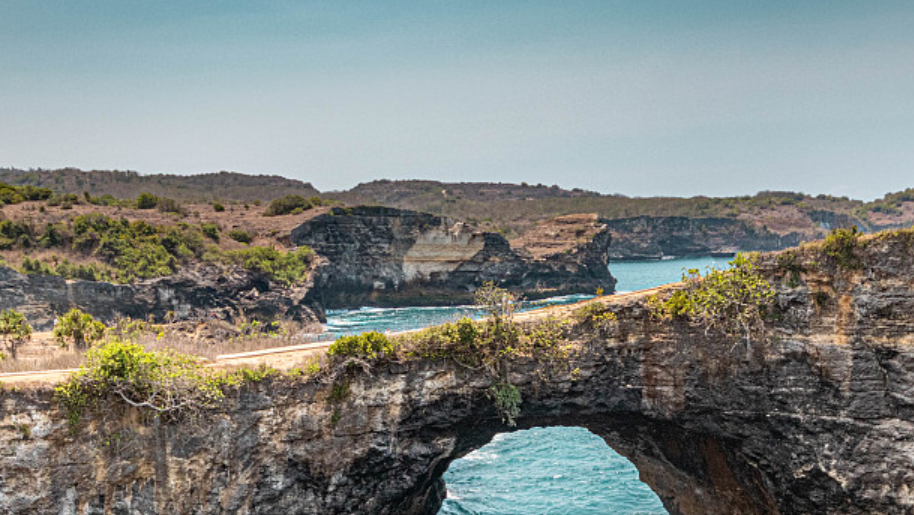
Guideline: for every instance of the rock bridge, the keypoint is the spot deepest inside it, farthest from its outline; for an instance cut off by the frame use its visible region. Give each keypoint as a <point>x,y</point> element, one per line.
<point>818,418</point>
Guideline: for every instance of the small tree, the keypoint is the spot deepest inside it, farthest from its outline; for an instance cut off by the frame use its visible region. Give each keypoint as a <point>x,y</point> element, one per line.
<point>146,201</point>
<point>14,329</point>
<point>241,236</point>
<point>496,302</point>
<point>78,328</point>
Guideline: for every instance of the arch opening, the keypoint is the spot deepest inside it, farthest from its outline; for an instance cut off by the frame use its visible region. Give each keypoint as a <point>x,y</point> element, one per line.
<point>559,470</point>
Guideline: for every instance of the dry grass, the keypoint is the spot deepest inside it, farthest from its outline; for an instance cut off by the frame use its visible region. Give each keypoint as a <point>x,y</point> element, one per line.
<point>42,354</point>
<point>209,350</point>
<point>60,360</point>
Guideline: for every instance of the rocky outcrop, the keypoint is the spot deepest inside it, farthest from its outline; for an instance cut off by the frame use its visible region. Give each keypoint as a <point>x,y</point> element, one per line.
<point>815,418</point>
<point>385,256</point>
<point>192,293</point>
<point>655,237</point>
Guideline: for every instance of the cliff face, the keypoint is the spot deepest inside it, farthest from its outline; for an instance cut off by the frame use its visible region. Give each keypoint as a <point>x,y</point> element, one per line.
<point>384,256</point>
<point>193,293</point>
<point>650,237</point>
<point>816,418</point>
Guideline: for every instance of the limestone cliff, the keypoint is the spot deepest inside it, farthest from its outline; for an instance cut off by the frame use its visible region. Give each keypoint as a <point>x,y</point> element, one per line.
<point>385,256</point>
<point>192,293</point>
<point>815,418</point>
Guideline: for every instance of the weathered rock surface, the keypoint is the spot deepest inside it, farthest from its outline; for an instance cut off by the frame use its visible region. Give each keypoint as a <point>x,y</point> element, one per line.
<point>192,293</point>
<point>654,237</point>
<point>818,418</point>
<point>385,256</point>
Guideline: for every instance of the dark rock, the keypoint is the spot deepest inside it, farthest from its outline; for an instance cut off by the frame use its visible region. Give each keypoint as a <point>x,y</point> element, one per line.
<point>193,293</point>
<point>386,256</point>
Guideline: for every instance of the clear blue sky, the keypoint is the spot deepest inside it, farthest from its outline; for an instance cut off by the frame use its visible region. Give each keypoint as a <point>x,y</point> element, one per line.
<point>638,97</point>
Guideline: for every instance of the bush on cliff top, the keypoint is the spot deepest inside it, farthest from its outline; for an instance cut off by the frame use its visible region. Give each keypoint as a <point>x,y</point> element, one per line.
<point>291,204</point>
<point>734,301</point>
<point>286,268</point>
<point>164,383</point>
<point>841,245</point>
<point>369,345</point>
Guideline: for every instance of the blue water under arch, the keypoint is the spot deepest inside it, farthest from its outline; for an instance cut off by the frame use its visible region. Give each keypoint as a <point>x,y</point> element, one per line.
<point>555,470</point>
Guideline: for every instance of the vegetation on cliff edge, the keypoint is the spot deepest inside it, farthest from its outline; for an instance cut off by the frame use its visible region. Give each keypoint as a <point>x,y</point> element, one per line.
<point>735,301</point>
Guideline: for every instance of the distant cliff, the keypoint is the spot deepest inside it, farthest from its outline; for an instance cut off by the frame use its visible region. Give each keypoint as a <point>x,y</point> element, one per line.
<point>193,293</point>
<point>386,256</point>
<point>654,237</point>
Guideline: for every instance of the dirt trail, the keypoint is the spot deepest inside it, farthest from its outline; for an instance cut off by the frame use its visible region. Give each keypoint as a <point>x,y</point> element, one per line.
<point>289,356</point>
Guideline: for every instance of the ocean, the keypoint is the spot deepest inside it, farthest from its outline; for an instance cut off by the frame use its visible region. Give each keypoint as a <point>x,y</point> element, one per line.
<point>540,471</point>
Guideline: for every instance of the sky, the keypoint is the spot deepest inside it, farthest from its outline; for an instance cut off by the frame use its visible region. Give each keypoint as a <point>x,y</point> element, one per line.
<point>647,97</point>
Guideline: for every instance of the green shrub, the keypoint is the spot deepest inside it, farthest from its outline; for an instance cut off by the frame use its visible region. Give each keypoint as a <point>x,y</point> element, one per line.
<point>369,345</point>
<point>339,392</point>
<point>217,207</point>
<point>139,250</point>
<point>210,230</point>
<point>168,205</point>
<point>14,234</point>
<point>734,301</point>
<point>289,205</point>
<point>78,328</point>
<point>14,195</point>
<point>14,329</point>
<point>788,261</point>
<point>842,245</point>
<point>507,400</point>
<point>147,201</point>
<point>241,236</point>
<point>164,383</point>
<point>286,268</point>
<point>594,314</point>
<point>458,341</point>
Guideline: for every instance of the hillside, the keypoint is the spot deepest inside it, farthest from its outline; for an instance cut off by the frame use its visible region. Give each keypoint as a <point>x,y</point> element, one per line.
<point>511,209</point>
<point>514,209</point>
<point>122,243</point>
<point>223,186</point>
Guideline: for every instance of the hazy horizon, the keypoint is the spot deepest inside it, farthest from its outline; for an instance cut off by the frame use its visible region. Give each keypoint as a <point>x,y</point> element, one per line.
<point>569,187</point>
<point>655,98</point>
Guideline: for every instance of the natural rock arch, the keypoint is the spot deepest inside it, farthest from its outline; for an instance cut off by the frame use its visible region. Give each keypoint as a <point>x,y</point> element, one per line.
<point>815,418</point>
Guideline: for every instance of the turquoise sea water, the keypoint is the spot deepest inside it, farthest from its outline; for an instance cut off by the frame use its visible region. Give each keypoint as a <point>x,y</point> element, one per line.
<point>355,321</point>
<point>639,275</point>
<point>554,471</point>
